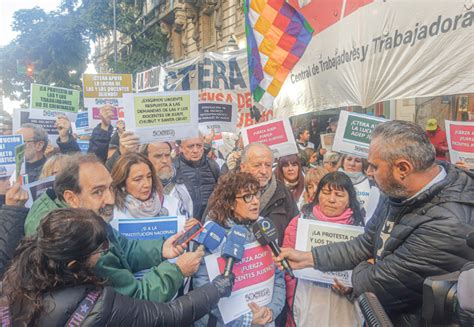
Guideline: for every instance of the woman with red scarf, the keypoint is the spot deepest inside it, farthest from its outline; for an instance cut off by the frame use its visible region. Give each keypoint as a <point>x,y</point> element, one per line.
<point>335,202</point>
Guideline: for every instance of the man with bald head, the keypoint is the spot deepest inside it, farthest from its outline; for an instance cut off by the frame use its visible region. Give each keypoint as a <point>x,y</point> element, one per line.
<point>276,202</point>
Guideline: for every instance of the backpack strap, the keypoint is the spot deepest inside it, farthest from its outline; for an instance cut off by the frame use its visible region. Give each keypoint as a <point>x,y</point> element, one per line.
<point>83,309</point>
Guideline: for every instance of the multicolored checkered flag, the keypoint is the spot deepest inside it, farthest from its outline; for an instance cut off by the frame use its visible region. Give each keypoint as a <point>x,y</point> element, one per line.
<point>277,36</point>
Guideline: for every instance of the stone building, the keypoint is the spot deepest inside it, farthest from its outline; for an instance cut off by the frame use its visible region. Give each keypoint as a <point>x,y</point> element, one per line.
<point>191,26</point>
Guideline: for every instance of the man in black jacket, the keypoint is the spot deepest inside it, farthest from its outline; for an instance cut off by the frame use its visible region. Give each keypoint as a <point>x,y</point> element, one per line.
<point>418,229</point>
<point>276,202</point>
<point>36,139</point>
<point>199,173</point>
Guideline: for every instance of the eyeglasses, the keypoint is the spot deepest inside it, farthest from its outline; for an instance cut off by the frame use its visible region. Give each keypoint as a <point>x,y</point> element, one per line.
<point>249,197</point>
<point>103,248</point>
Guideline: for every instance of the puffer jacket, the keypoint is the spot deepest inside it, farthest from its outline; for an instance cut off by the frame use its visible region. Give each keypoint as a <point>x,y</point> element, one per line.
<point>200,178</point>
<point>410,241</point>
<point>12,220</point>
<point>114,309</point>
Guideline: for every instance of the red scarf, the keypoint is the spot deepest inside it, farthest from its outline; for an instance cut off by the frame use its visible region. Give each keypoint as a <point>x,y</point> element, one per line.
<point>345,218</point>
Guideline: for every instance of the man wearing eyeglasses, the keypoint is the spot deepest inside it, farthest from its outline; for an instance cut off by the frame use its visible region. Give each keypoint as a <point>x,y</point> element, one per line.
<point>36,140</point>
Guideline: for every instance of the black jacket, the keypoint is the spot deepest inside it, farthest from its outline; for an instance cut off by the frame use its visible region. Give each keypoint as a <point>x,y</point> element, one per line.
<point>12,220</point>
<point>425,236</point>
<point>33,169</point>
<point>114,309</point>
<point>200,178</point>
<point>280,209</point>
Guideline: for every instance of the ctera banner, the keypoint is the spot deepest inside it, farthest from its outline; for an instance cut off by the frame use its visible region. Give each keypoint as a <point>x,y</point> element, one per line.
<point>364,52</point>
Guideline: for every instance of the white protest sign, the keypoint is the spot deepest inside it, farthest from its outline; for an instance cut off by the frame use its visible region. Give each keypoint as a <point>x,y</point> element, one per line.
<point>254,279</point>
<point>165,116</point>
<point>460,136</point>
<point>37,188</point>
<point>277,134</point>
<point>311,233</point>
<point>220,116</point>
<point>354,132</point>
<point>149,228</point>
<point>23,116</point>
<point>8,143</point>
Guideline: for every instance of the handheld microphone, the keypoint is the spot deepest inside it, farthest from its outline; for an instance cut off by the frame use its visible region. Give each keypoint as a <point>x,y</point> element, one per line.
<point>266,234</point>
<point>233,249</point>
<point>212,236</point>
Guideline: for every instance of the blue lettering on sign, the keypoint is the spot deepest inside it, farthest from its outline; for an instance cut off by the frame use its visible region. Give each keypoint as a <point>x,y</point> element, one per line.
<point>148,230</point>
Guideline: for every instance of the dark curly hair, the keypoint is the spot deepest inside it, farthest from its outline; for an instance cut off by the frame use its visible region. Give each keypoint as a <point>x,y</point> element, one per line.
<point>222,200</point>
<point>54,258</point>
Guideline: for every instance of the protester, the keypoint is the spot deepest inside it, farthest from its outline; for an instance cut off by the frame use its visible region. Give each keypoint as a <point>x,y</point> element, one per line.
<point>159,153</point>
<point>311,303</point>
<point>199,173</point>
<point>302,139</point>
<point>51,281</point>
<point>290,172</point>
<point>66,140</point>
<point>236,201</point>
<point>437,137</point>
<point>12,217</point>
<point>36,139</point>
<point>355,168</point>
<point>312,156</point>
<point>418,230</point>
<point>276,202</point>
<point>311,181</point>
<point>53,165</point>
<point>331,161</point>
<point>77,187</point>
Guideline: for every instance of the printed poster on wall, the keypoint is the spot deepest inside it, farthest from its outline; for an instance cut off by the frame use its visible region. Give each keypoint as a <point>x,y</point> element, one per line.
<point>105,89</point>
<point>217,116</point>
<point>460,137</point>
<point>311,233</point>
<point>254,280</point>
<point>8,143</point>
<point>277,134</point>
<point>53,101</point>
<point>23,116</point>
<point>166,116</point>
<point>354,132</point>
<point>149,228</point>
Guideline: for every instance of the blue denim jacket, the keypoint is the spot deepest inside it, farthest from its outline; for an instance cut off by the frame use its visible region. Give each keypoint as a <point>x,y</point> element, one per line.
<point>278,300</point>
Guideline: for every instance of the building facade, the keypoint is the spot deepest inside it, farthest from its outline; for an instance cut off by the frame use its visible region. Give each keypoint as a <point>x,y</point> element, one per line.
<point>190,26</point>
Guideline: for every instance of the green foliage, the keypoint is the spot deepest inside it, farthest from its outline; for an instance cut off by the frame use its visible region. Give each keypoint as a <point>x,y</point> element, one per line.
<point>53,43</point>
<point>57,43</point>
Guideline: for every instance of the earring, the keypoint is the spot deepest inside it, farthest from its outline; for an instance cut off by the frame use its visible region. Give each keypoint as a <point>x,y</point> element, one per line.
<point>72,264</point>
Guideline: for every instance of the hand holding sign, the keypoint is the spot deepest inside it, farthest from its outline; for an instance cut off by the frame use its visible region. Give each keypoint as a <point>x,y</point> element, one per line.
<point>16,196</point>
<point>129,142</point>
<point>63,125</point>
<point>106,116</point>
<point>261,315</point>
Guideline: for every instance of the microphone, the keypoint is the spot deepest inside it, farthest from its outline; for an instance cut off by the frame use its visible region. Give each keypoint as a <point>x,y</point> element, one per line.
<point>233,249</point>
<point>212,236</point>
<point>266,234</point>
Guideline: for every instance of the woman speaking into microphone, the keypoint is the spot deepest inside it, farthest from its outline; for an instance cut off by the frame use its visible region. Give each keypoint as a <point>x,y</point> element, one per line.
<point>236,202</point>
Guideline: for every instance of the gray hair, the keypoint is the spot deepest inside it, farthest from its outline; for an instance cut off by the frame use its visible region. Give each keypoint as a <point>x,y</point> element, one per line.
<point>400,139</point>
<point>39,134</point>
<point>245,152</point>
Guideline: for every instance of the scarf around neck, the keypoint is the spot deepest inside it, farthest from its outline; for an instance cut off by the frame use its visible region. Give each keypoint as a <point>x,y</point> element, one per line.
<point>356,178</point>
<point>143,209</point>
<point>267,193</point>
<point>345,218</point>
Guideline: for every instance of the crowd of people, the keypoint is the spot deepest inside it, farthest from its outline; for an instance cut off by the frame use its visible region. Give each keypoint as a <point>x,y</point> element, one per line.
<point>64,261</point>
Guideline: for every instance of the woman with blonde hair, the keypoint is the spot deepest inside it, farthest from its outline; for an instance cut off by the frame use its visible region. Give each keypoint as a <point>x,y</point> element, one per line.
<point>53,165</point>
<point>311,181</point>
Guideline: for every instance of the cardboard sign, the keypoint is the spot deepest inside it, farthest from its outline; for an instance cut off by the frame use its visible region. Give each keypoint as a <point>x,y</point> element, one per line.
<point>220,116</point>
<point>460,136</point>
<point>166,116</point>
<point>311,233</point>
<point>277,134</point>
<point>20,160</point>
<point>354,132</point>
<point>254,279</point>
<point>54,101</point>
<point>327,141</point>
<point>148,228</point>
<point>8,144</point>
<point>37,188</point>
<point>106,85</point>
<point>23,116</point>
